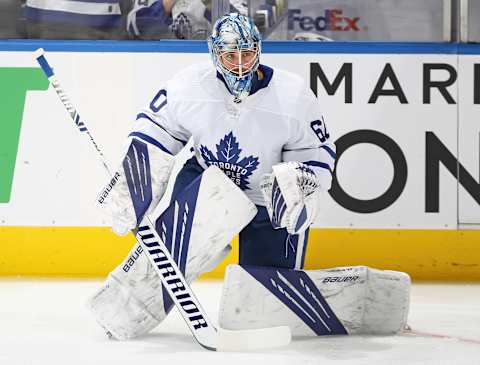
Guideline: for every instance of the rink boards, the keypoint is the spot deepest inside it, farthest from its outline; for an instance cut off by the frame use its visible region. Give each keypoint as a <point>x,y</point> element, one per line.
<point>404,118</point>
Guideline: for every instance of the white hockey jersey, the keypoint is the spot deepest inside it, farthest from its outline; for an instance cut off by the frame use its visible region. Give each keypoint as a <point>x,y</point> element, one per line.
<point>280,122</point>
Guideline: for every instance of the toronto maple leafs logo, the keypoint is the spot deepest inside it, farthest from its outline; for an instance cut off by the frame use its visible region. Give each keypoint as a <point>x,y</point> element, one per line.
<point>228,160</point>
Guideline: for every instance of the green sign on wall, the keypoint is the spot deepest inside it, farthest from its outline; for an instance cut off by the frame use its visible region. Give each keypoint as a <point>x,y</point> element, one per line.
<point>14,84</point>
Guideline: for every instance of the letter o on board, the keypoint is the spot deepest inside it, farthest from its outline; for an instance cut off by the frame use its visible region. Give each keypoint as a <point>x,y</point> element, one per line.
<point>400,172</point>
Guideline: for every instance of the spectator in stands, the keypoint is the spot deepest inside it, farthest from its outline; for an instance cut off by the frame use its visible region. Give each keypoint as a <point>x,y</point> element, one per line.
<point>114,19</point>
<point>150,19</point>
<point>75,19</point>
<point>118,19</point>
<point>9,14</point>
<point>159,19</point>
<point>180,19</point>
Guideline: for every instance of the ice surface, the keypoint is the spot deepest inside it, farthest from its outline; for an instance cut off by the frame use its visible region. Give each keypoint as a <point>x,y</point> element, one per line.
<point>45,322</point>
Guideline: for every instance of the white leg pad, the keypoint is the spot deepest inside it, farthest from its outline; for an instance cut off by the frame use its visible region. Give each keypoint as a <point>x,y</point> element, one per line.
<point>345,300</point>
<point>210,212</point>
<point>130,302</point>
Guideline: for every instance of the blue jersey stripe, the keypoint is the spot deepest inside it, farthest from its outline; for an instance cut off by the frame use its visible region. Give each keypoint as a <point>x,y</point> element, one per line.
<point>143,115</point>
<point>150,140</point>
<point>323,165</point>
<point>330,151</point>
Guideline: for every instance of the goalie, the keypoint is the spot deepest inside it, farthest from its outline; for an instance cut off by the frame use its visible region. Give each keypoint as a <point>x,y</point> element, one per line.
<point>261,159</point>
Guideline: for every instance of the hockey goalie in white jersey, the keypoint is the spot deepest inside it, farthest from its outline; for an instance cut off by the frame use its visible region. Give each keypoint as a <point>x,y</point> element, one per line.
<point>264,129</point>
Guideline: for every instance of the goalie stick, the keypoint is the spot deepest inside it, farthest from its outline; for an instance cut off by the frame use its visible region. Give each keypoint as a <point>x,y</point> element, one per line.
<point>165,266</point>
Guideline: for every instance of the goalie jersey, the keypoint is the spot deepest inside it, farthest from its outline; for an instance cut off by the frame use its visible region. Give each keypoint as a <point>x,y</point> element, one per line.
<point>279,121</point>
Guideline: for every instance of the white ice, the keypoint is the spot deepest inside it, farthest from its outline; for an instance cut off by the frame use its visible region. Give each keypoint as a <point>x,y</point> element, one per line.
<point>45,322</point>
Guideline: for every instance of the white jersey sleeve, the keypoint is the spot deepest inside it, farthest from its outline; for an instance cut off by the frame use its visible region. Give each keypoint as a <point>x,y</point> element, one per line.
<point>310,141</point>
<point>157,125</point>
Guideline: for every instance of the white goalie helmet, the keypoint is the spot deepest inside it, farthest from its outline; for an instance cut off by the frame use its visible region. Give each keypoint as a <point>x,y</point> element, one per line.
<point>235,46</point>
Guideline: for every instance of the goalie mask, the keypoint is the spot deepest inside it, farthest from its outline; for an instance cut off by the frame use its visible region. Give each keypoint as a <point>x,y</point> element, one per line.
<point>235,46</point>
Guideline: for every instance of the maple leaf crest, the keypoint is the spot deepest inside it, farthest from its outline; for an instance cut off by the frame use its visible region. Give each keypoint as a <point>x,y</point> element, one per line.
<point>227,158</point>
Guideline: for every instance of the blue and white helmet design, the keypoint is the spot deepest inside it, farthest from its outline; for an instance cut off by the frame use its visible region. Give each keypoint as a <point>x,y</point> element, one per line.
<point>235,36</point>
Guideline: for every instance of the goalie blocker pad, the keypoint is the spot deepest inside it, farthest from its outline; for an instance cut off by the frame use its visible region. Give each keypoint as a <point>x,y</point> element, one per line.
<point>345,300</point>
<point>197,228</point>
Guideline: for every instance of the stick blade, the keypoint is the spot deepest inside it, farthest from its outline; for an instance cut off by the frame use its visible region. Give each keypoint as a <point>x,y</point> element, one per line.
<point>250,340</point>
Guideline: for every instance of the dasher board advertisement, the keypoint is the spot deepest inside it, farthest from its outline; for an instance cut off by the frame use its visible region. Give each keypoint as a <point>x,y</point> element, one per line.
<point>403,117</point>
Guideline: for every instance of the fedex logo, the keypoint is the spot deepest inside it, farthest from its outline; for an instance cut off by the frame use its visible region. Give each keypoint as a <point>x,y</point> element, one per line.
<point>333,20</point>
